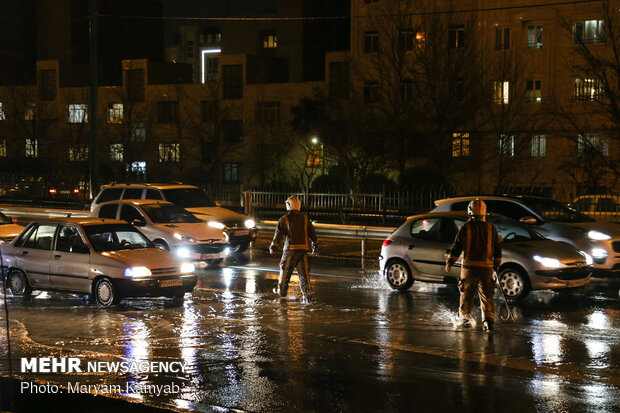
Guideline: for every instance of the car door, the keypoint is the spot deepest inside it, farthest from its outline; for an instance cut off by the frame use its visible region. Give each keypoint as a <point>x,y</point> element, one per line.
<point>33,256</point>
<point>424,251</point>
<point>449,229</point>
<point>70,263</point>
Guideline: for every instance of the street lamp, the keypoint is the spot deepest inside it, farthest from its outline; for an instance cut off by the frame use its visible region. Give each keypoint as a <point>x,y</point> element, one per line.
<point>315,140</point>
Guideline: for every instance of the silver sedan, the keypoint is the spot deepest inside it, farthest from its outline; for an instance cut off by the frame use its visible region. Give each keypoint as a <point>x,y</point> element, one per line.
<point>418,249</point>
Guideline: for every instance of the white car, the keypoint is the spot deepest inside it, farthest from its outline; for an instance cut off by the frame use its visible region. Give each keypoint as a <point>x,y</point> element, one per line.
<point>105,258</point>
<point>170,227</point>
<point>240,228</point>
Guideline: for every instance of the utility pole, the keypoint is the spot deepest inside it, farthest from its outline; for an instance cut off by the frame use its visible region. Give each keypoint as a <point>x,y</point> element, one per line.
<point>94,86</point>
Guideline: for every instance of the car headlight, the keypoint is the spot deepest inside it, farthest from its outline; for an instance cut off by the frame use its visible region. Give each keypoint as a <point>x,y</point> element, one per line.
<point>598,236</point>
<point>589,260</point>
<point>187,267</point>
<point>183,238</point>
<point>183,252</point>
<point>137,272</point>
<point>215,224</point>
<point>226,251</point>
<point>599,253</point>
<point>548,262</point>
<point>249,223</point>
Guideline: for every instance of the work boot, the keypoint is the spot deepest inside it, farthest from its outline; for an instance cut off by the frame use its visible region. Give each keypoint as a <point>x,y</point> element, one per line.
<point>277,292</point>
<point>306,299</point>
<point>487,325</point>
<point>463,321</point>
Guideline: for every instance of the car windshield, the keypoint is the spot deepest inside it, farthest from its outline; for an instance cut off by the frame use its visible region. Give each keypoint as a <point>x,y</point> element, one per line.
<point>168,214</point>
<point>4,219</point>
<point>188,197</point>
<point>115,237</point>
<point>512,231</point>
<point>555,211</point>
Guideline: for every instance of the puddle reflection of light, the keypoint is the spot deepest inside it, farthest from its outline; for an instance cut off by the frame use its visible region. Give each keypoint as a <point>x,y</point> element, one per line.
<point>546,386</point>
<point>598,394</point>
<point>182,404</point>
<point>138,347</point>
<point>383,336</point>
<point>546,348</point>
<point>598,320</point>
<point>44,295</point>
<point>250,285</point>
<point>597,349</point>
<point>228,275</point>
<point>188,341</point>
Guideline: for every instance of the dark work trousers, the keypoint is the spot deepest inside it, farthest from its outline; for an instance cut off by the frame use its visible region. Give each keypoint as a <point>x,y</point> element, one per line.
<point>481,280</point>
<point>291,260</point>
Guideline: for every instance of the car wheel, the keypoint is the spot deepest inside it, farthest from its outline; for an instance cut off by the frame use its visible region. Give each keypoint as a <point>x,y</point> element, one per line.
<point>104,293</point>
<point>161,244</point>
<point>514,282</point>
<point>18,284</point>
<point>215,262</point>
<point>398,275</point>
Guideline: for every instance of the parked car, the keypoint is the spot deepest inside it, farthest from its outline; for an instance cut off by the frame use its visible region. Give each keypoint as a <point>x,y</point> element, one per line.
<point>240,228</point>
<point>108,259</point>
<point>418,250</point>
<point>8,228</point>
<point>170,227</point>
<point>599,207</point>
<point>555,221</point>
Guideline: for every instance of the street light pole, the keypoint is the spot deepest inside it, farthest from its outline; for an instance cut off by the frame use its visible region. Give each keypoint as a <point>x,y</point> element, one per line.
<point>94,89</point>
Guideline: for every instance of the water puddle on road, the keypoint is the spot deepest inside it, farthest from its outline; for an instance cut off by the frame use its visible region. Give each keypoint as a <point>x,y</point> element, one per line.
<point>372,280</point>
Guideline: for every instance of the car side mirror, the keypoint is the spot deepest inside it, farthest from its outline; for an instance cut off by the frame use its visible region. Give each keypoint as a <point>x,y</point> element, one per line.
<point>218,203</point>
<point>529,220</point>
<point>138,222</point>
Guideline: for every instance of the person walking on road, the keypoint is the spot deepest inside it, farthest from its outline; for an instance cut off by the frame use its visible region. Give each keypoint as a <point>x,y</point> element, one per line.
<point>297,232</point>
<point>482,256</point>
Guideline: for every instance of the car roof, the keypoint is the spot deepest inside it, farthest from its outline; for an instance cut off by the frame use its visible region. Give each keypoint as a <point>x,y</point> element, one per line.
<point>449,214</point>
<point>156,185</point>
<point>85,221</point>
<point>137,202</point>
<point>505,197</point>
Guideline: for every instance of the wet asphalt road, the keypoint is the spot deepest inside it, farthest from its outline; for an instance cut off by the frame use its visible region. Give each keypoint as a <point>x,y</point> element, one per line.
<point>358,347</point>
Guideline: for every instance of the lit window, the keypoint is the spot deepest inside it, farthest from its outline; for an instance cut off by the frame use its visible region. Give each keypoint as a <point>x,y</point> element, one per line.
<point>78,153</point>
<point>31,110</point>
<point>371,41</point>
<point>115,112</point>
<point>501,92</point>
<point>32,148</point>
<point>593,144</point>
<point>539,146</point>
<point>371,91</point>
<point>507,145</point>
<point>456,36</point>
<point>270,40</point>
<point>588,89</point>
<point>169,152</point>
<point>314,158</point>
<point>116,152</point>
<point>534,37</point>
<point>532,91</point>
<point>2,115</point>
<point>268,113</point>
<point>589,31</point>
<point>138,131</point>
<point>137,169</point>
<point>210,64</point>
<point>78,113</point>
<point>460,145</point>
<point>3,148</point>
<point>502,38</point>
<point>233,173</point>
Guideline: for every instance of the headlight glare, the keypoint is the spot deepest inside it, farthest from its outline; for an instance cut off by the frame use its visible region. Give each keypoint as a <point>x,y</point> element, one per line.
<point>249,223</point>
<point>215,224</point>
<point>187,267</point>
<point>137,272</point>
<point>548,262</point>
<point>599,253</point>
<point>183,252</point>
<point>598,236</point>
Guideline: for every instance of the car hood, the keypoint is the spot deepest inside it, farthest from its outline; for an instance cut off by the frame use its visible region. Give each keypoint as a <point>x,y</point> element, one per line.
<point>545,248</point>
<point>216,213</point>
<point>610,229</point>
<point>10,230</point>
<point>199,230</point>
<point>143,257</point>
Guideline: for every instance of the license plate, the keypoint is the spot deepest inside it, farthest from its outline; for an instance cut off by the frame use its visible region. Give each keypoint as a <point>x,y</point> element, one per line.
<point>241,233</point>
<point>170,283</point>
<point>210,256</point>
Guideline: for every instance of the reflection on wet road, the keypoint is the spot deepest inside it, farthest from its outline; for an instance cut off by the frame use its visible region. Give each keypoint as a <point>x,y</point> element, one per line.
<point>359,346</point>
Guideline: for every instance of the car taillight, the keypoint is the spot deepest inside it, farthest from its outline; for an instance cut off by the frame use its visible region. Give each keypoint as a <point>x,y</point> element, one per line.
<point>387,242</point>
